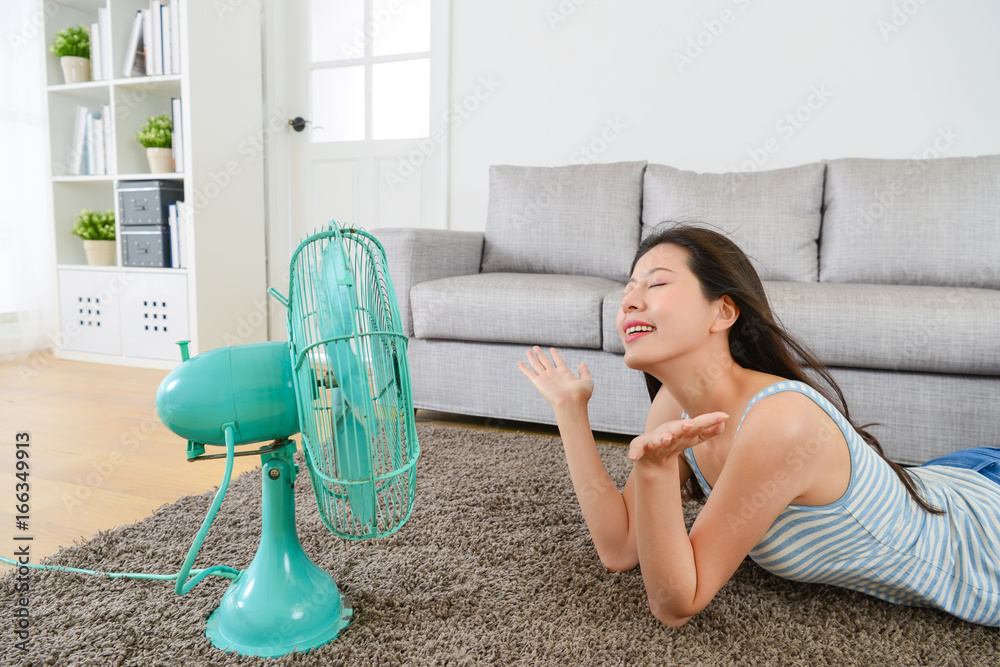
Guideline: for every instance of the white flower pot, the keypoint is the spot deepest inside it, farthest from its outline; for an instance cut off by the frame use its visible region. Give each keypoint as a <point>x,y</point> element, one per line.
<point>100,253</point>
<point>161,160</point>
<point>75,69</point>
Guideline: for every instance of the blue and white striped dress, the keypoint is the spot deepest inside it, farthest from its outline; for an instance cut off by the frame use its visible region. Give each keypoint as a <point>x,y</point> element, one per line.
<point>878,541</point>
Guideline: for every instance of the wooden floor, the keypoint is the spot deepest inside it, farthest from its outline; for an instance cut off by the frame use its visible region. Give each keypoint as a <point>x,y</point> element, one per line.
<point>99,457</point>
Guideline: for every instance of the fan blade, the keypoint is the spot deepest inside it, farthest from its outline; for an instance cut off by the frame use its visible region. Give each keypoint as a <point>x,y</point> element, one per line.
<point>353,463</point>
<point>352,450</point>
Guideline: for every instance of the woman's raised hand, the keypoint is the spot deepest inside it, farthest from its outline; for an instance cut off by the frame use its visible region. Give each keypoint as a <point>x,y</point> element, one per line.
<point>673,437</point>
<point>554,381</point>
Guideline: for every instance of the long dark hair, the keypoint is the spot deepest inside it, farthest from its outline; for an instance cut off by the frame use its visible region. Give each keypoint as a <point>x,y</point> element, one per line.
<point>756,340</point>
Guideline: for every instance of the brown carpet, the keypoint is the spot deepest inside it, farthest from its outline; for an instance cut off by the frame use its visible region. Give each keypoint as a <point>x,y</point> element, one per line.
<point>494,567</point>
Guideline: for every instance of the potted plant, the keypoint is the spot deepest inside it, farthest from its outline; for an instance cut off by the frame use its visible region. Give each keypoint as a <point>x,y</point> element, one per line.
<point>72,47</point>
<point>156,137</point>
<point>98,233</point>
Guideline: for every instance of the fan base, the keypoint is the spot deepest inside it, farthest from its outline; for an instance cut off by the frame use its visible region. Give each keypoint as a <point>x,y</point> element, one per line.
<point>272,650</point>
<point>282,602</point>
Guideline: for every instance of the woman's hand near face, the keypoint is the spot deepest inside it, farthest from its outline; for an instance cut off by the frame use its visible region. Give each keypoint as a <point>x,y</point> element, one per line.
<point>554,381</point>
<point>669,439</point>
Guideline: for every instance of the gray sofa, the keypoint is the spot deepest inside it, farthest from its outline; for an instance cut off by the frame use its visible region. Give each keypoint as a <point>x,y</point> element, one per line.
<point>888,269</point>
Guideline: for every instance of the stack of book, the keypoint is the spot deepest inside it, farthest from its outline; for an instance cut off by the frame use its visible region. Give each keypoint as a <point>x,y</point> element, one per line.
<point>179,223</point>
<point>93,143</point>
<point>154,46</point>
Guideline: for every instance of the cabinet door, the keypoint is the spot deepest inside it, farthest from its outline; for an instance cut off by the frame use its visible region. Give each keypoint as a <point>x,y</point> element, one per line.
<point>89,309</point>
<point>154,315</point>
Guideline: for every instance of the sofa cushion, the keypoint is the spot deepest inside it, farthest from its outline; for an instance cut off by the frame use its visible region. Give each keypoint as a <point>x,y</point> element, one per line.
<point>774,216</point>
<point>526,308</point>
<point>574,220</point>
<point>913,222</point>
<point>612,303</point>
<point>893,327</point>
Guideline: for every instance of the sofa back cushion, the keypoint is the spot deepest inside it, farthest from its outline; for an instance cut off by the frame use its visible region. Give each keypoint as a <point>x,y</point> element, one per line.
<point>774,216</point>
<point>577,220</point>
<point>912,222</point>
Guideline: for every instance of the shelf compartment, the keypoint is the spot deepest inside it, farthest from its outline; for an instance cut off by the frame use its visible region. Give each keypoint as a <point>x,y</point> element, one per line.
<point>132,105</point>
<point>63,103</point>
<point>69,197</point>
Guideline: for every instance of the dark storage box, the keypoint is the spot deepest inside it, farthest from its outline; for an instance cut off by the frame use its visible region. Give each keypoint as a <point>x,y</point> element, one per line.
<point>146,245</point>
<point>146,202</point>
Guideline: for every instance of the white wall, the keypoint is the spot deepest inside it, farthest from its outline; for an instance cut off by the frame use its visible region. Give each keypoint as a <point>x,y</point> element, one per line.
<point>536,81</point>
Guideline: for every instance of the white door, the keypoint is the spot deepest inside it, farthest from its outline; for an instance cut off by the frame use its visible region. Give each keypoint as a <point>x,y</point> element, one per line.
<point>370,77</point>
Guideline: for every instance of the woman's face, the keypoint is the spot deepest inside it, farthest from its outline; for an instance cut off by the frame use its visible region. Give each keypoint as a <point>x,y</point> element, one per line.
<point>664,312</point>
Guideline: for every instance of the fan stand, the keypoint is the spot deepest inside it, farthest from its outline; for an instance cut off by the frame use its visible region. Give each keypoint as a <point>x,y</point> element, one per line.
<point>282,602</point>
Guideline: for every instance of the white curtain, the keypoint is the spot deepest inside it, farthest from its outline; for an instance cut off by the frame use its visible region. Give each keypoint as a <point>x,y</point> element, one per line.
<point>28,306</point>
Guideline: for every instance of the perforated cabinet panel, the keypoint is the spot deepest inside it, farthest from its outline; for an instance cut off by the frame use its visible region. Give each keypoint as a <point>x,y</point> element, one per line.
<point>154,315</point>
<point>89,310</point>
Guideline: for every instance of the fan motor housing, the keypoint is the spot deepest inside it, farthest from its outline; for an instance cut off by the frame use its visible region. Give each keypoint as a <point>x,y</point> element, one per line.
<point>249,385</point>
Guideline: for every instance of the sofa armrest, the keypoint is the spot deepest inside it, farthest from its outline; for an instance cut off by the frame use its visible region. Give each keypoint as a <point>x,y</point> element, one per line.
<point>418,255</point>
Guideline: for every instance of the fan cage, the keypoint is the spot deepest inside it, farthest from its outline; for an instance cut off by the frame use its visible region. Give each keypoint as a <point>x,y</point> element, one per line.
<point>376,339</point>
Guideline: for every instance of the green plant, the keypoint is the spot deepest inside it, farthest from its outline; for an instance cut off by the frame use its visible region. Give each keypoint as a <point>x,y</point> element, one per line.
<point>95,226</point>
<point>73,41</point>
<point>157,132</point>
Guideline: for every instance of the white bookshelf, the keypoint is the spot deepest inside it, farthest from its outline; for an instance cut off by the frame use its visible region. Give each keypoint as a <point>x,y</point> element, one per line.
<point>221,289</point>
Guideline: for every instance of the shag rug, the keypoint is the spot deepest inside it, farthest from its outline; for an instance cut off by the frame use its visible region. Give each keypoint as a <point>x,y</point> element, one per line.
<point>494,567</point>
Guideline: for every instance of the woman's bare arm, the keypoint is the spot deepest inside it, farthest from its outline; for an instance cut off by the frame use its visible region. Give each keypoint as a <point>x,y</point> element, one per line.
<point>682,572</point>
<point>609,514</point>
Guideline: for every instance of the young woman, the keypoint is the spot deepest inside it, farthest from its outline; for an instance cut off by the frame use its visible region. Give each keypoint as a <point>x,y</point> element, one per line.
<point>791,481</point>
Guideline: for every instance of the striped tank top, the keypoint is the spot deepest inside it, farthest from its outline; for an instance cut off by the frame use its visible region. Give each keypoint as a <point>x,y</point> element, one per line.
<point>876,540</point>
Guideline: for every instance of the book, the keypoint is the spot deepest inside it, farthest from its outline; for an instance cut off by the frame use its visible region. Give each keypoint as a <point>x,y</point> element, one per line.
<point>90,162</point>
<point>147,41</point>
<point>104,25</point>
<point>98,143</point>
<point>175,252</point>
<point>165,40</point>
<point>177,140</point>
<point>110,158</point>
<point>157,32</point>
<point>95,52</point>
<point>79,134</point>
<point>135,54</point>
<point>185,234</point>
<point>175,35</point>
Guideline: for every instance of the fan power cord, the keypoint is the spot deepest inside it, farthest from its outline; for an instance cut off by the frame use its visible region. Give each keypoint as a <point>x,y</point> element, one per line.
<point>183,585</point>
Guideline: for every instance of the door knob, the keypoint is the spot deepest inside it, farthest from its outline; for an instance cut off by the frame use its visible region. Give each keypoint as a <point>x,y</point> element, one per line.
<point>298,123</point>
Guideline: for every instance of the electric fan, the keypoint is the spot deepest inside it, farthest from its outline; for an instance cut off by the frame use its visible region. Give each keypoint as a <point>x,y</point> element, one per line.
<point>342,381</point>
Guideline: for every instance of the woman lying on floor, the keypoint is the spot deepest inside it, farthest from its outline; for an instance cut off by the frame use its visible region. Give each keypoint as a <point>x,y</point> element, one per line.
<point>794,483</point>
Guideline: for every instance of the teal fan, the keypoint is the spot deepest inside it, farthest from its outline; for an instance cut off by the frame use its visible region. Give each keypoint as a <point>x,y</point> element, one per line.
<point>342,381</point>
